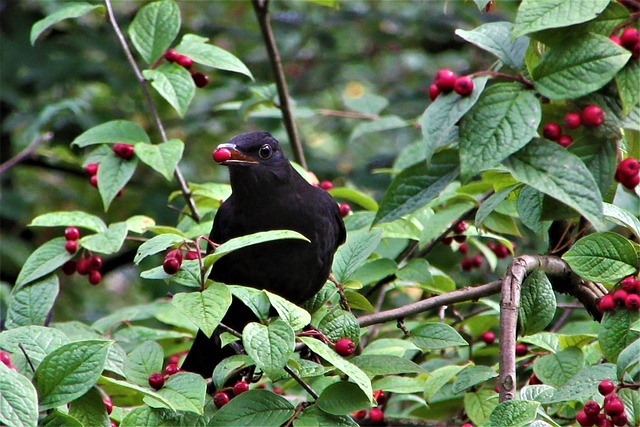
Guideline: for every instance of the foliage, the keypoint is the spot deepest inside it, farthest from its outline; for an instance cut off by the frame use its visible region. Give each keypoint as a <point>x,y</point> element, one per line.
<point>481,159</point>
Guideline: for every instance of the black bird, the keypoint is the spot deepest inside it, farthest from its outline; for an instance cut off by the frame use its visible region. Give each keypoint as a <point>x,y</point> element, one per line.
<point>267,194</point>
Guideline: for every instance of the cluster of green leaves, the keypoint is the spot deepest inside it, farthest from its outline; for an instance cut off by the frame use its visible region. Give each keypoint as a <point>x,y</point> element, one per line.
<point>487,142</point>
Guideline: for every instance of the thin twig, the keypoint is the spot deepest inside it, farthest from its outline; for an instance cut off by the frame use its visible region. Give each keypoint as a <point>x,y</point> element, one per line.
<point>261,8</point>
<point>184,187</point>
<point>300,381</point>
<point>33,369</point>
<point>348,114</point>
<point>26,152</point>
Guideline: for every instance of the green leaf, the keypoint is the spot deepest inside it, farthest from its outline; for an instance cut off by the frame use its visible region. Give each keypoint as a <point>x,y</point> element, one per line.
<point>628,81</point>
<point>107,242</point>
<point>472,376</point>
<point>479,405</point>
<point>396,384</point>
<point>378,125</point>
<point>430,336</point>
<point>185,391</point>
<point>70,371</point>
<point>248,240</point>
<point>358,301</point>
<point>140,223</point>
<point>113,131</point>
<point>490,205</point>
<point>256,299</point>
<point>37,341</point>
<point>43,261</point>
<point>378,364</point>
<point>314,416</point>
<point>504,120</point>
<point>417,185</point>
<point>602,257</point>
<point>55,418</point>
<point>574,69</point>
<point>583,384</point>
<point>205,309</point>
<point>113,387</point>
<point>339,323</point>
<point>514,413</point>
<point>615,332</point>
<point>295,316</point>
<point>269,346</point>
<point>441,118</point>
<point>174,84</point>
<point>349,369</point>
<point>438,378</point>
<point>229,366</point>
<point>31,304</point>
<point>631,400</point>
<point>623,217</point>
<point>143,416</point>
<point>555,369</point>
<point>534,15</point>
<point>154,28</point>
<point>69,10</point>
<point>354,253</point>
<point>598,157</point>
<point>113,174</point>
<point>89,409</point>
<point>627,358</point>
<point>143,361</point>
<point>342,398</point>
<point>69,218</point>
<point>530,203</point>
<point>163,157</point>
<point>367,202</point>
<point>537,303</point>
<point>254,407</point>
<point>196,48</point>
<point>18,399</point>
<point>496,38</point>
<point>549,168</point>
<point>157,244</point>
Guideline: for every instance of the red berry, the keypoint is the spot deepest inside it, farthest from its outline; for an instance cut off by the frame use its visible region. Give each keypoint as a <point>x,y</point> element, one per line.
<point>82,266</point>
<point>5,358</point>
<point>221,155</point>
<point>534,380</point>
<point>592,116</point>
<point>565,141</point>
<point>376,416</point>
<point>632,302</point>
<point>521,349</point>
<point>488,6</point>
<point>635,51</point>
<point>619,296</point>
<point>627,167</point>
<point>220,399</point>
<point>638,286</point>
<point>591,407</point>
<point>447,240</point>
<point>467,264</point>
<point>171,55</point>
<point>171,265</point>
<point>501,250</point>
<point>345,347</point>
<point>108,405</point>
<point>631,182</point>
<point>171,369</point>
<point>585,420</point>
<point>191,255</point>
<point>112,423</point>
<point>433,92</point>
<point>606,303</point>
<point>94,180</point>
<point>95,277</point>
<point>91,169</point>
<point>466,425</point>
<point>123,150</point>
<point>628,284</point>
<point>277,390</point>
<point>615,39</point>
<point>345,209</point>
<point>71,246</point>
<point>326,185</point>
<point>359,415</point>
<point>614,407</point>
<point>379,397</point>
<point>240,387</point>
<point>572,121</point>
<point>606,387</point>
<point>156,380</point>
<point>69,267</point>
<point>488,337</point>
<point>200,79</point>
<point>71,233</point>
<point>95,262</point>
<point>629,38</point>
<point>184,61</point>
<point>176,253</point>
<point>445,80</point>
<point>463,248</point>
<point>619,420</point>
<point>460,227</point>
<point>477,260</point>
<point>463,85</point>
<point>551,131</point>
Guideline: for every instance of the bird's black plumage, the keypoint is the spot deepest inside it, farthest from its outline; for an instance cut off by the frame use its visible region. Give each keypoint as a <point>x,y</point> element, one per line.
<point>268,194</point>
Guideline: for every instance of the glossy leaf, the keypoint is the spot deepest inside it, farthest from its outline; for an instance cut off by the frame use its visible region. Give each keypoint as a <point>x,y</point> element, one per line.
<point>269,346</point>
<point>537,303</point>
<point>602,257</point>
<point>78,219</point>
<point>174,84</point>
<point>185,391</point>
<point>66,11</point>
<point>205,309</point>
<point>295,316</point>
<point>163,158</point>
<point>496,38</point>
<point>197,48</point>
<point>143,361</point>
<point>354,253</point>
<point>536,15</point>
<point>431,336</point>
<point>514,413</point>
<point>255,407</point>
<point>616,334</point>
<point>31,304</point>
<point>156,244</point>
<point>18,399</point>
<point>342,398</point>
<point>113,131</point>
<point>106,242</point>
<point>113,174</point>
<point>43,261</point>
<point>154,28</point>
<point>555,369</point>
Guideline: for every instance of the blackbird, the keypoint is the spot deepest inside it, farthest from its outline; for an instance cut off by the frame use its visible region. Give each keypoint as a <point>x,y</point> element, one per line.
<point>267,194</point>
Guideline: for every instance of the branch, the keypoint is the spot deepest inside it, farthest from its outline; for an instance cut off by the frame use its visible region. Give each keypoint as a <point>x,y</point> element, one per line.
<point>26,152</point>
<point>261,8</point>
<point>184,188</point>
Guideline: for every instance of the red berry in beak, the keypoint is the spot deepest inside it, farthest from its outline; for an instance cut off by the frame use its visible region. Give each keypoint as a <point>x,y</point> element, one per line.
<point>221,155</point>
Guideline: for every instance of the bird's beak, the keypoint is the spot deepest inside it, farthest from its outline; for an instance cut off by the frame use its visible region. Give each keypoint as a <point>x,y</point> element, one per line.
<point>228,154</point>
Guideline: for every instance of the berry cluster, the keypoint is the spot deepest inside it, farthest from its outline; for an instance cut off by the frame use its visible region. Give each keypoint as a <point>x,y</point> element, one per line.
<point>157,379</point>
<point>173,260</point>
<point>627,295</point>
<point>446,81</point>
<point>92,170</point>
<point>6,359</point>
<point>200,79</point>
<point>87,265</point>
<point>223,397</point>
<point>459,228</point>
<point>628,173</point>
<point>71,234</point>
<point>345,347</point>
<point>469,263</point>
<point>376,416</point>
<point>610,414</point>
<point>591,116</point>
<point>499,249</point>
<point>630,40</point>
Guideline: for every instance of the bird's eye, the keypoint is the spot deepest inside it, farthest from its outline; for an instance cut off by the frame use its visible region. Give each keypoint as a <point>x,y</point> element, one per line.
<point>265,151</point>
